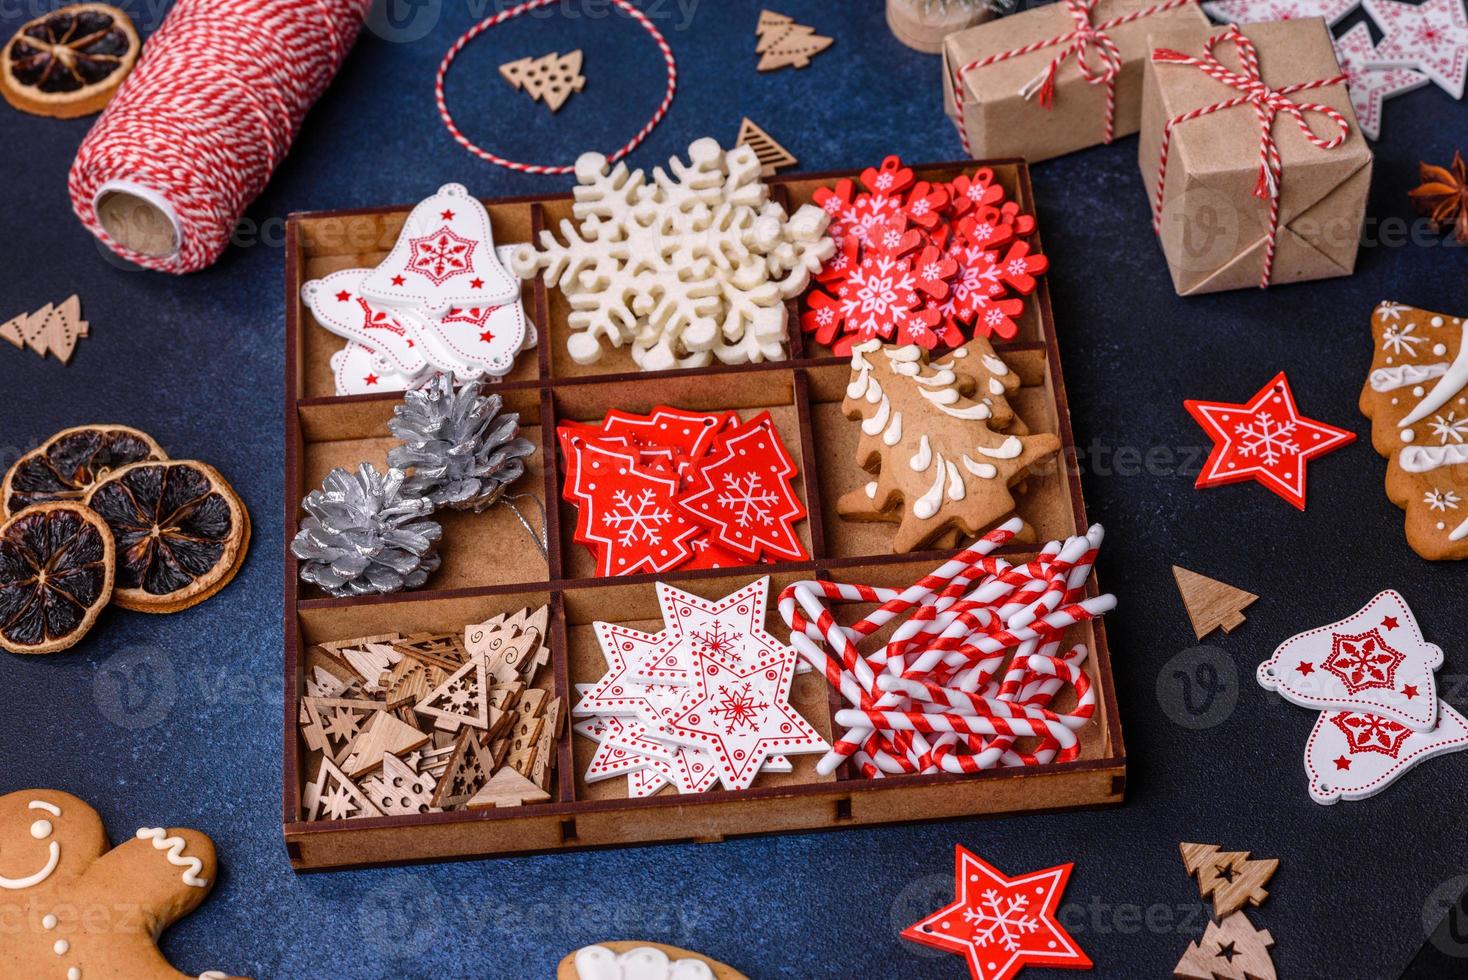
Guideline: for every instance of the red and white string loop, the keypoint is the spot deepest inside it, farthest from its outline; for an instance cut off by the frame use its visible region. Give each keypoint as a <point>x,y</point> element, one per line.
<point>1268,103</point>
<point>1082,42</point>
<point>973,668</point>
<point>536,168</point>
<point>207,115</point>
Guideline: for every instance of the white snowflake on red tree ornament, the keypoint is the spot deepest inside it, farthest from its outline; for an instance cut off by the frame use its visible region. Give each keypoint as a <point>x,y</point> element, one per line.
<point>920,262</point>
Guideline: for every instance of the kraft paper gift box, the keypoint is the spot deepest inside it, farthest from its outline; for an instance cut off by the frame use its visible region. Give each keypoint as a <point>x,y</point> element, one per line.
<point>1213,228</point>
<point>996,118</point>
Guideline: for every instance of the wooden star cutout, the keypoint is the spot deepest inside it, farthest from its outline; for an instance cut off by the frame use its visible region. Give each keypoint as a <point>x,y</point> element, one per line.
<point>1431,37</point>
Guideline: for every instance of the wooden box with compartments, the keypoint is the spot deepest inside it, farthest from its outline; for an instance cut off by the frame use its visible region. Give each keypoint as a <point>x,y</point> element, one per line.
<point>490,566</point>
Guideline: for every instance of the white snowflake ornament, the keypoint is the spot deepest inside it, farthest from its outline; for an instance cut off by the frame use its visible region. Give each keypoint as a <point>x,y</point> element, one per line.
<point>444,256</point>
<point>690,268</point>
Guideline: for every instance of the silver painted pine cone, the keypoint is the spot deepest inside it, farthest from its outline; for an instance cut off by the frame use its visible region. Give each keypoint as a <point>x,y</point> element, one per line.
<point>462,451</point>
<point>364,535</point>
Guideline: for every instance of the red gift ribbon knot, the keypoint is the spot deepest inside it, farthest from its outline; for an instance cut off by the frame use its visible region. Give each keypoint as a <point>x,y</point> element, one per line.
<point>1268,103</point>
<point>1080,42</point>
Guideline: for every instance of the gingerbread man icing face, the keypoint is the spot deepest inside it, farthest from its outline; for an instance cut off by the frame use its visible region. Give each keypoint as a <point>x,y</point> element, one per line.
<point>81,910</point>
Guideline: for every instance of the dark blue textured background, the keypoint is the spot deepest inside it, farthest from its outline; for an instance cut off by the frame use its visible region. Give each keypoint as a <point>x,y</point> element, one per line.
<point>197,361</point>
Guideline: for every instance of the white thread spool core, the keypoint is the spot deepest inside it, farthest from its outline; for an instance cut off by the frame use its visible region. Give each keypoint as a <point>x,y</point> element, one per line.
<point>138,218</point>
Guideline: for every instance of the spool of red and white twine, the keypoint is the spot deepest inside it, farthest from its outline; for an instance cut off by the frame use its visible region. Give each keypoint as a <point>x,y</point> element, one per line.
<point>197,129</point>
<point>972,669</point>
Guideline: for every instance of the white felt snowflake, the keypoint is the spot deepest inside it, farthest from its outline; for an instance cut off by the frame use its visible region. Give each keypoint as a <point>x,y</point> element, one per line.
<point>1437,499</point>
<point>1267,438</point>
<point>1003,921</point>
<point>1449,428</point>
<point>692,266</point>
<point>1401,340</point>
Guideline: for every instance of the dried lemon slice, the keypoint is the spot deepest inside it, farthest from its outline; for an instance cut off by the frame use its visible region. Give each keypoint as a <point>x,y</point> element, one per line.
<point>66,465</point>
<point>69,62</point>
<point>180,529</point>
<point>56,569</point>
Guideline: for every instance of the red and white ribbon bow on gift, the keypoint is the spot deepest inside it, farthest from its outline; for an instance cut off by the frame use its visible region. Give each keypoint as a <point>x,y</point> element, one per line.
<point>1085,41</point>
<point>1268,103</point>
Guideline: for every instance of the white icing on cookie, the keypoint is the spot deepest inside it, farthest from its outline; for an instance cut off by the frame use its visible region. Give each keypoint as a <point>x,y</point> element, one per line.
<point>1010,448</point>
<point>893,435</point>
<point>984,471</point>
<point>995,365</point>
<point>174,846</point>
<point>1424,459</point>
<point>871,490</point>
<point>1392,378</point>
<point>54,850</point>
<point>927,505</point>
<point>1447,387</point>
<point>642,963</point>
<point>924,456</point>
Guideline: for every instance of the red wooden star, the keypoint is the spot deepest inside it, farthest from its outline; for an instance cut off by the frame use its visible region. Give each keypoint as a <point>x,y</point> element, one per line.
<point>1266,440</point>
<point>999,924</point>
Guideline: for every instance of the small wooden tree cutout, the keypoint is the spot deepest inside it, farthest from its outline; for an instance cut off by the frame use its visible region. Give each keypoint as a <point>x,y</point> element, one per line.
<point>1230,878</point>
<point>550,79</point>
<point>335,797</point>
<point>784,43</point>
<point>507,788</point>
<point>1229,950</point>
<point>772,156</point>
<point>1211,604</point>
<point>383,733</point>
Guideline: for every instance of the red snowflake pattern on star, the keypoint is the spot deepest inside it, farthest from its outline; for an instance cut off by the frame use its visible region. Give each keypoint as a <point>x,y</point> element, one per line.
<point>921,263</point>
<point>1371,733</point>
<point>440,256</point>
<point>999,924</point>
<point>1265,439</point>
<point>1364,661</point>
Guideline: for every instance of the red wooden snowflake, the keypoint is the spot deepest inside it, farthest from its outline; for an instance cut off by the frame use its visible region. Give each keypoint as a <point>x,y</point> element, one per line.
<point>1371,733</point>
<point>921,263</point>
<point>441,255</point>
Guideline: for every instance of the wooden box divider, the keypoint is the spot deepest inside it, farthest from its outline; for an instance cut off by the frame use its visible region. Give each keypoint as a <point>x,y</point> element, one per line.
<point>491,565</point>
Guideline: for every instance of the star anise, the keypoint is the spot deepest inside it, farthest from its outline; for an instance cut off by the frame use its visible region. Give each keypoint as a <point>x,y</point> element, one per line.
<point>1443,196</point>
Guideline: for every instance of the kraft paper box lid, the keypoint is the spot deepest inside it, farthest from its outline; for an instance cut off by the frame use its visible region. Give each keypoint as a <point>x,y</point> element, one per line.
<point>1002,123</point>
<point>1213,229</point>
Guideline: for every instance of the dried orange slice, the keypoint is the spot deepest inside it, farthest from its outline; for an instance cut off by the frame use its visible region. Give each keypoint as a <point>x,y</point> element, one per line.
<point>181,533</point>
<point>69,62</point>
<point>55,576</point>
<point>67,465</point>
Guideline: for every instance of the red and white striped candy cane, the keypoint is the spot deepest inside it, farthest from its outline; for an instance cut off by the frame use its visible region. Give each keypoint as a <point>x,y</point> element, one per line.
<point>1268,103</point>
<point>535,168</point>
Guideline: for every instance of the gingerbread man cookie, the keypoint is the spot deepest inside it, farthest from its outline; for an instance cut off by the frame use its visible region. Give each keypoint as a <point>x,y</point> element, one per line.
<point>940,439</point>
<point>1417,399</point>
<point>81,911</point>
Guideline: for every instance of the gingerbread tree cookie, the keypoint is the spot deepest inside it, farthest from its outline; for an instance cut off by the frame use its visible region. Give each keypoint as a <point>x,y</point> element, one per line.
<point>933,434</point>
<point>1417,399</point>
<point>55,863</point>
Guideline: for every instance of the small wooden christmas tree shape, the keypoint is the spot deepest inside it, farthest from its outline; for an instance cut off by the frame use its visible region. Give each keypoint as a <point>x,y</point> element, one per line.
<point>1211,604</point>
<point>507,788</point>
<point>772,156</point>
<point>784,43</point>
<point>398,791</point>
<point>383,734</point>
<point>468,770</point>
<point>335,797</point>
<point>550,79</point>
<point>1230,878</point>
<point>1229,950</point>
<point>51,329</point>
